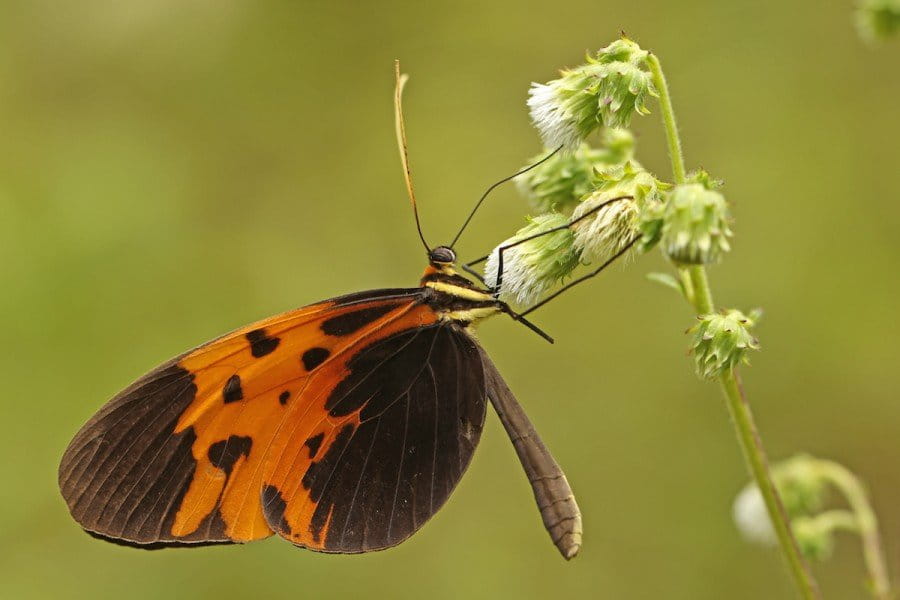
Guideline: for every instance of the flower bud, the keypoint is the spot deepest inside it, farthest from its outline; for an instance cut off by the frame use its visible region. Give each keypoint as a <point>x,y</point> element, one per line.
<point>560,182</point>
<point>602,235</point>
<point>800,483</point>
<point>752,518</point>
<point>694,227</point>
<point>721,342</point>
<point>814,535</point>
<point>533,267</point>
<point>878,20</point>
<point>606,91</point>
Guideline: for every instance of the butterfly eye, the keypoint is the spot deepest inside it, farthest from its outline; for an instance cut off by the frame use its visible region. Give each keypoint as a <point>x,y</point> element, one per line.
<point>442,255</point>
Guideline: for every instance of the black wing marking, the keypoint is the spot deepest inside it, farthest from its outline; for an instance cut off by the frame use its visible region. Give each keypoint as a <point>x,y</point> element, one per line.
<point>125,470</point>
<point>421,397</point>
<point>554,497</point>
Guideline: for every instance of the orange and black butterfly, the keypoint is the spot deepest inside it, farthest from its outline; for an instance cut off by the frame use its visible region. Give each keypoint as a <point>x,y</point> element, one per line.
<point>342,426</point>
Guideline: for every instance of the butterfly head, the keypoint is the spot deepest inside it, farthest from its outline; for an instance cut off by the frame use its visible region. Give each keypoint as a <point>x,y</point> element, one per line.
<point>442,257</point>
<point>441,269</point>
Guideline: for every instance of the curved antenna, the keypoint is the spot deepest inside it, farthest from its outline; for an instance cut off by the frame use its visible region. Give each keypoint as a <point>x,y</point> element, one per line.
<point>400,127</point>
<point>491,189</point>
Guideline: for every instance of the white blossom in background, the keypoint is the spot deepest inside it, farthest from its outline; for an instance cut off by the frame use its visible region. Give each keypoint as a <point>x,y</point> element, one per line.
<point>752,519</point>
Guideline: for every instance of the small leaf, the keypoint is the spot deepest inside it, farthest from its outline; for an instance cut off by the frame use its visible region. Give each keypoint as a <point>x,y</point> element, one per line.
<point>666,280</point>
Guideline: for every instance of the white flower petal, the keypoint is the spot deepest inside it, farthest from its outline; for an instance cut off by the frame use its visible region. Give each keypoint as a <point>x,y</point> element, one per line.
<point>752,518</point>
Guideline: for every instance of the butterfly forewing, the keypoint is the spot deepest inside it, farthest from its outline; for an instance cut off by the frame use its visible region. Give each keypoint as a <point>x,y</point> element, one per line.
<point>267,428</point>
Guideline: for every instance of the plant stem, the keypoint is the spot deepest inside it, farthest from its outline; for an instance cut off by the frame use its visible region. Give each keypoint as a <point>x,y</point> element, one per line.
<point>867,524</point>
<point>755,455</point>
<point>668,115</point>
<point>742,417</point>
<point>703,301</point>
<point>834,520</point>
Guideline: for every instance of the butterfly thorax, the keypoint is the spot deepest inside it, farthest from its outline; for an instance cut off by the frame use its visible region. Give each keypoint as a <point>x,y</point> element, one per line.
<point>456,298</point>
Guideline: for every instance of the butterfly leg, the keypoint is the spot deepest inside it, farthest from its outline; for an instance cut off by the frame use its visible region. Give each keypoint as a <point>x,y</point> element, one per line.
<point>581,279</point>
<point>504,307</point>
<point>468,269</point>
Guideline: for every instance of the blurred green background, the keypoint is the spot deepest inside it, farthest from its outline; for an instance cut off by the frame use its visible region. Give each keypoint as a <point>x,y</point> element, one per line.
<point>170,170</point>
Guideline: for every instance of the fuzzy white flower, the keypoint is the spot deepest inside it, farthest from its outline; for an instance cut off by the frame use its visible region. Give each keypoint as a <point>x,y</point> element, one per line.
<point>602,235</point>
<point>533,267</point>
<point>752,518</point>
<point>606,91</point>
<point>554,119</point>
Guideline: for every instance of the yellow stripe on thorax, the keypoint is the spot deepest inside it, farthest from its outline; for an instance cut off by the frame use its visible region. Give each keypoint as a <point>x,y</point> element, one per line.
<point>471,314</point>
<point>459,291</point>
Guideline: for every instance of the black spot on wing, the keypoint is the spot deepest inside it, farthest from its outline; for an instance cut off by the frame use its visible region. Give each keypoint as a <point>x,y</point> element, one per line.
<point>354,321</point>
<point>232,391</point>
<point>260,343</point>
<point>283,397</point>
<point>314,357</point>
<point>313,444</point>
<point>225,453</point>
<point>273,506</point>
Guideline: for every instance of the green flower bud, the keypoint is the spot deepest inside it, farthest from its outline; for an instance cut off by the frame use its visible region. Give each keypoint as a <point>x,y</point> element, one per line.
<point>721,341</point>
<point>878,20</point>
<point>562,180</point>
<point>606,91</point>
<point>814,537</point>
<point>802,489</point>
<point>694,223</point>
<point>650,223</point>
<point>533,267</point>
<point>619,143</point>
<point>800,483</point>
<point>611,228</point>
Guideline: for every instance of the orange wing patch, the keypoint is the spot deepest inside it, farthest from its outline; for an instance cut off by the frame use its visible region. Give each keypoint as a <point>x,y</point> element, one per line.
<point>261,393</point>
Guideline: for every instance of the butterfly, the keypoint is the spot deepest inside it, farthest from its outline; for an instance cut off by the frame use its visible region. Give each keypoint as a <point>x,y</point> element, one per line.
<point>342,426</point>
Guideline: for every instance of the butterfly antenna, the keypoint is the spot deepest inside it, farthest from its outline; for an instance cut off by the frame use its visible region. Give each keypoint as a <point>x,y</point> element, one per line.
<point>497,184</point>
<point>401,145</point>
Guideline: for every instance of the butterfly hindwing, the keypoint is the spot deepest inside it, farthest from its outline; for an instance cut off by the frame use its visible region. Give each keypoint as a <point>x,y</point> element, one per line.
<point>180,456</point>
<point>400,431</point>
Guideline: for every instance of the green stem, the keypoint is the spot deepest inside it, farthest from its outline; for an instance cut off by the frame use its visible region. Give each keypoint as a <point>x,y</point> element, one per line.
<point>867,524</point>
<point>834,520</point>
<point>668,115</point>
<point>737,405</point>
<point>755,455</point>
<point>703,302</point>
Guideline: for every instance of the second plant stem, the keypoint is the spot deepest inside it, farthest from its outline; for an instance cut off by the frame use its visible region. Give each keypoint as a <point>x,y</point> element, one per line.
<point>742,417</point>
<point>867,524</point>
